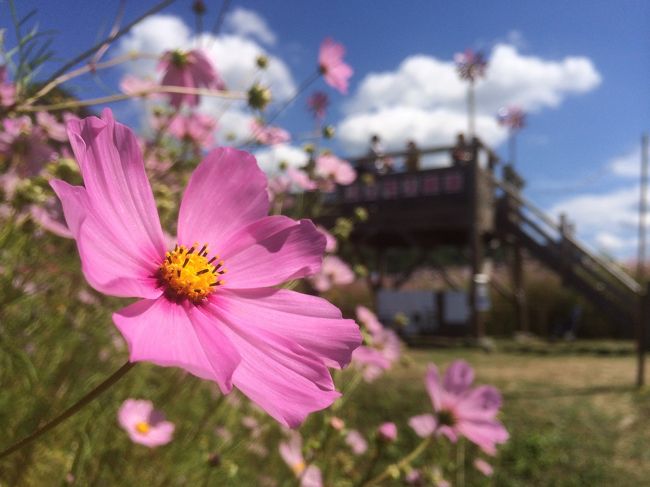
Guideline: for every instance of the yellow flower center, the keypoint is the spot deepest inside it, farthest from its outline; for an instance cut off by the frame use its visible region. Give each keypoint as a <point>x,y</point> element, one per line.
<point>142,427</point>
<point>298,468</point>
<point>189,274</point>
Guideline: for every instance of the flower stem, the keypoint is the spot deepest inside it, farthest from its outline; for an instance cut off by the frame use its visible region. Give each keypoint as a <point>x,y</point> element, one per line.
<point>401,464</point>
<point>107,383</point>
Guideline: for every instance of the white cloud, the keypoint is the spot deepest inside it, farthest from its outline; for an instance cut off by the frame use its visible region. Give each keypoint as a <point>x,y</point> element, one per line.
<point>627,165</point>
<point>612,243</point>
<point>269,158</point>
<point>425,89</point>
<point>247,23</point>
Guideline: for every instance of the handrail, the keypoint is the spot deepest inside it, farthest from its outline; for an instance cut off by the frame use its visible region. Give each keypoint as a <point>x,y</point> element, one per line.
<point>404,153</point>
<point>628,281</point>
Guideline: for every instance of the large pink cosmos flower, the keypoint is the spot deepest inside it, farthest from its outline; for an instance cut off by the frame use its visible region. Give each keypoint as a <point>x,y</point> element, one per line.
<point>462,410</point>
<point>144,424</point>
<point>191,69</point>
<point>237,328</point>
<point>331,65</point>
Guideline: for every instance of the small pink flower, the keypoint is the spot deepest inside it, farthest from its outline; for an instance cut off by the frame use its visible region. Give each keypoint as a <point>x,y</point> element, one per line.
<point>461,410</point>
<point>196,127</point>
<point>356,442</point>
<point>268,135</point>
<point>7,89</point>
<point>189,69</point>
<point>334,272</point>
<point>335,71</point>
<point>53,128</point>
<point>330,240</point>
<point>291,453</point>
<point>424,425</point>
<point>382,346</point>
<point>134,86</point>
<point>388,432</point>
<point>337,423</point>
<point>331,168</point>
<point>470,65</point>
<point>513,118</point>
<point>300,179</point>
<point>25,145</point>
<point>144,425</point>
<point>239,329</point>
<point>317,104</point>
<point>484,467</point>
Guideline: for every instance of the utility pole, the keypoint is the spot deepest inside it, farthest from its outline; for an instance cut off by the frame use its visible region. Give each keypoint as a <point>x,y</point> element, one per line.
<point>644,308</point>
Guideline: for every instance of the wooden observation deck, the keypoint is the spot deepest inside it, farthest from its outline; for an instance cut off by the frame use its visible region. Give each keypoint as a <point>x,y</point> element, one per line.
<point>468,205</point>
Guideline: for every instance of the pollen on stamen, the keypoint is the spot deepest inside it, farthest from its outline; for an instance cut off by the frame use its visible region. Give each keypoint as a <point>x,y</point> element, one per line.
<point>187,274</point>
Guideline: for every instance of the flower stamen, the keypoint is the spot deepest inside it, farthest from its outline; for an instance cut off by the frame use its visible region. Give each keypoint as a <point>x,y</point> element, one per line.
<point>187,274</point>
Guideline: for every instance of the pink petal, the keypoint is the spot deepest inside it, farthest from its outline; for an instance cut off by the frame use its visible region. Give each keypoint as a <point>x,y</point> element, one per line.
<point>271,251</point>
<point>424,425</point>
<point>226,192</point>
<point>311,477</point>
<point>459,377</point>
<point>174,335</point>
<point>485,433</point>
<point>434,387</point>
<point>278,374</point>
<point>106,263</point>
<point>112,167</point>
<point>310,321</point>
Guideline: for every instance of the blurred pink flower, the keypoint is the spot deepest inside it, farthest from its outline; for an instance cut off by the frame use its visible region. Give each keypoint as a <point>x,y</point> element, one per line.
<point>484,467</point>
<point>330,61</point>
<point>513,118</point>
<point>330,240</point>
<point>7,89</point>
<point>49,215</point>
<point>331,168</point>
<point>461,410</point>
<point>424,425</point>
<point>53,128</point>
<point>470,65</point>
<point>25,145</point>
<point>356,442</point>
<point>134,86</point>
<point>334,272</point>
<point>189,69</point>
<point>196,127</point>
<point>337,423</point>
<point>144,425</point>
<point>388,431</point>
<point>273,344</point>
<point>317,104</point>
<point>268,135</point>
<point>291,453</point>
<point>300,179</point>
<point>381,348</point>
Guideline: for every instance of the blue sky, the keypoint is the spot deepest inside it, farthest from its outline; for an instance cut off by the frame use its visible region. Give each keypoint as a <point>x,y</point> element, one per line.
<point>569,150</point>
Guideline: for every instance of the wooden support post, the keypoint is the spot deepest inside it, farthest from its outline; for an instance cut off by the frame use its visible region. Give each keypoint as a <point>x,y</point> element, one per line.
<point>643,318</point>
<point>476,246</point>
<point>518,282</point>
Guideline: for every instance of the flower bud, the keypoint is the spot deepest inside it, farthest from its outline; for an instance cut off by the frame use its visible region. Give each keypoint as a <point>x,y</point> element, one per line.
<point>262,61</point>
<point>328,131</point>
<point>258,97</point>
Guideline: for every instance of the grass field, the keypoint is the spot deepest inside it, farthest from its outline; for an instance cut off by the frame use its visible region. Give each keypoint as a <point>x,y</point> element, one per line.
<point>575,420</point>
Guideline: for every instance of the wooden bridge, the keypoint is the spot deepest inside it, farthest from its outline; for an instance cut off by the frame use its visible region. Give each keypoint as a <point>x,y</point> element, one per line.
<point>469,205</point>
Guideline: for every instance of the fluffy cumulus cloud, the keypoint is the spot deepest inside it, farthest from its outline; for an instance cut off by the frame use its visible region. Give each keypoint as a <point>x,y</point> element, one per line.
<point>247,23</point>
<point>428,90</point>
<point>234,54</point>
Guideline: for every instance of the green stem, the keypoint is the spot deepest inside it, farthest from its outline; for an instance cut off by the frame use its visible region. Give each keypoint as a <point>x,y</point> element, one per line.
<point>117,375</point>
<point>416,452</point>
